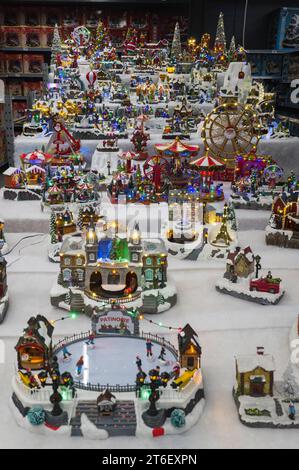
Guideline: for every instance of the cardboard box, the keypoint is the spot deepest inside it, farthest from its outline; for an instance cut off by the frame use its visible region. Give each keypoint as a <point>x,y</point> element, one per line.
<point>33,37</point>
<point>18,109</point>
<point>33,63</point>
<point>32,17</point>
<point>13,36</point>
<point>14,63</point>
<point>15,88</point>
<point>32,87</point>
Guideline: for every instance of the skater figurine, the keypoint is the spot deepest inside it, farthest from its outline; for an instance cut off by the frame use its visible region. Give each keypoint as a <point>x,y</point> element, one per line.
<point>176,370</point>
<point>91,338</point>
<point>65,352</point>
<point>149,348</point>
<point>292,411</point>
<point>269,275</point>
<point>139,363</point>
<point>162,354</point>
<point>79,366</point>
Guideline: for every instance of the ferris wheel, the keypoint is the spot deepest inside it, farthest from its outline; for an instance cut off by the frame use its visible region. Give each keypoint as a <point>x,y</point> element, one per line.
<point>230,129</point>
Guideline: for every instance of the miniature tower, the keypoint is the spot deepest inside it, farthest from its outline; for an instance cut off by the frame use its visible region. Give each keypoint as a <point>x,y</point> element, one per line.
<point>223,235</point>
<point>135,245</point>
<point>91,245</point>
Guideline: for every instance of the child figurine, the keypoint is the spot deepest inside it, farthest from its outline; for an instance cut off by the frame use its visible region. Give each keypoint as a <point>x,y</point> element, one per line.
<point>292,411</point>
<point>65,352</point>
<point>91,338</point>
<point>139,363</point>
<point>162,354</point>
<point>176,370</point>
<point>79,366</point>
<point>149,348</point>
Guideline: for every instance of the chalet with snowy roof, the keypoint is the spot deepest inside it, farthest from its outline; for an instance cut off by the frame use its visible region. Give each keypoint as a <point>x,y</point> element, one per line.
<point>255,374</point>
<point>106,265</point>
<point>239,263</point>
<point>88,216</point>
<point>35,345</point>
<point>35,175</point>
<point>189,348</point>
<point>286,211</point>
<point>13,178</point>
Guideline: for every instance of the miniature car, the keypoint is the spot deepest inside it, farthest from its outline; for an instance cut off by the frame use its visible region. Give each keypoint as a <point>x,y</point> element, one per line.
<point>270,285</point>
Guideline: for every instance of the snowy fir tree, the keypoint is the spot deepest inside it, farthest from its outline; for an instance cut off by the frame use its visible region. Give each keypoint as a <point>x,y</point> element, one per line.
<point>56,44</point>
<point>53,228</point>
<point>176,47</point>
<point>232,48</point>
<point>232,217</point>
<point>220,40</point>
<point>80,218</point>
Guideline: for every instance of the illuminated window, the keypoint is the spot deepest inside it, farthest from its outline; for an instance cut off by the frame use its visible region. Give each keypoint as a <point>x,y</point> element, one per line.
<point>92,257</point>
<point>80,274</point>
<point>135,257</point>
<point>79,262</point>
<point>149,275</point>
<point>148,261</point>
<point>67,274</point>
<point>67,261</point>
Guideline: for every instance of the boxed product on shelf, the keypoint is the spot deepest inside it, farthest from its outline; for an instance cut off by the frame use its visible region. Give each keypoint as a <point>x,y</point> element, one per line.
<point>14,63</point>
<point>70,20</point>
<point>33,63</point>
<point>12,36</point>
<point>15,88</point>
<point>33,37</point>
<point>12,16</point>
<point>2,63</point>
<point>91,20</point>
<point>32,17</point>
<point>18,109</point>
<point>50,17</point>
<point>284,27</point>
<point>31,86</point>
<point>47,35</point>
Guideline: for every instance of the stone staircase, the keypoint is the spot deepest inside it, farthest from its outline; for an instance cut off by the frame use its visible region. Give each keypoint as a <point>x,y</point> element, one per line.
<point>278,407</point>
<point>122,421</point>
<point>77,302</point>
<point>149,304</point>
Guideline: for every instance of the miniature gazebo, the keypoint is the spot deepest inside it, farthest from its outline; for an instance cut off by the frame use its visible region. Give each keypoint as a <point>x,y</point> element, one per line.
<point>207,165</point>
<point>177,149</point>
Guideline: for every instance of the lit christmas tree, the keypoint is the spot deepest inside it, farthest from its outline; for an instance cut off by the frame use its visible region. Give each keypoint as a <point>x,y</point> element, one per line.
<point>102,38</point>
<point>176,47</point>
<point>56,44</point>
<point>232,48</point>
<point>220,40</point>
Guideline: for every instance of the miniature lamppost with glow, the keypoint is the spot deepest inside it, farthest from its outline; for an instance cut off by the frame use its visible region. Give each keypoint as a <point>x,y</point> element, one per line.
<point>154,395</point>
<point>258,265</point>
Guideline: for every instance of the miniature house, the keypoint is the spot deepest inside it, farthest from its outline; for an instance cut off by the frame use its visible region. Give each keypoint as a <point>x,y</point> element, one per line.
<point>286,211</point>
<point>2,236</point>
<point>64,223</point>
<point>13,178</point>
<point>240,263</point>
<point>255,374</point>
<point>106,403</point>
<point>189,348</point>
<point>34,346</point>
<point>35,175</point>
<point>88,216</point>
<point>113,267</point>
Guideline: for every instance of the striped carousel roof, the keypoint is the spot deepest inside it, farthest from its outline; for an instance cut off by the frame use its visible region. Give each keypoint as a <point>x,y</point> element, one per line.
<point>177,146</point>
<point>54,189</point>
<point>127,155</point>
<point>36,157</point>
<point>207,162</point>
<point>85,186</point>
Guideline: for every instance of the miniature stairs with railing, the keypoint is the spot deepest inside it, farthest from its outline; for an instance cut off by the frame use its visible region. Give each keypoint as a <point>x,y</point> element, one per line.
<point>121,422</point>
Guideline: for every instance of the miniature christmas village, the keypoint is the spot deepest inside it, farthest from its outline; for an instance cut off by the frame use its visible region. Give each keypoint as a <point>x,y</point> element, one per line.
<point>56,386</point>
<point>127,134</point>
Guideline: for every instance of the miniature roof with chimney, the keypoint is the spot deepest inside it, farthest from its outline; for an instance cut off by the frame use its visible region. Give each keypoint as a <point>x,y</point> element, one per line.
<point>250,362</point>
<point>187,336</point>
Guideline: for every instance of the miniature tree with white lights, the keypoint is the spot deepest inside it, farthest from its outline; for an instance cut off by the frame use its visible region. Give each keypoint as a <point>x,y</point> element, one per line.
<point>220,39</point>
<point>176,47</point>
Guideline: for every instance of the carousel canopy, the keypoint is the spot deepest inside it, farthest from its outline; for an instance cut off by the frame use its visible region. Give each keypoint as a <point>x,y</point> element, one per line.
<point>85,186</point>
<point>206,162</point>
<point>36,157</point>
<point>35,169</point>
<point>128,155</point>
<point>54,190</point>
<point>177,147</point>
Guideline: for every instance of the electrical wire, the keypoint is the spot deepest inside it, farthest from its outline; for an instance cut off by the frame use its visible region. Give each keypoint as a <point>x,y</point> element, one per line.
<point>21,239</point>
<point>244,22</point>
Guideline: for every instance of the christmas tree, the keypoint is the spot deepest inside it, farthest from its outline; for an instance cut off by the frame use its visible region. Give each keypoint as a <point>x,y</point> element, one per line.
<point>56,44</point>
<point>232,48</point>
<point>102,38</point>
<point>176,47</point>
<point>220,40</point>
<point>53,228</point>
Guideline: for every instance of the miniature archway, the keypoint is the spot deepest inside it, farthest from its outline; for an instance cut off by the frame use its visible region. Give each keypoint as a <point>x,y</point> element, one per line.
<point>95,283</point>
<point>131,282</point>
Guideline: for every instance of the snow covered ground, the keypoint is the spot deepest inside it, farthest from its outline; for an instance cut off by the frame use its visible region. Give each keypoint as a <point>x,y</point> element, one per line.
<point>226,327</point>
